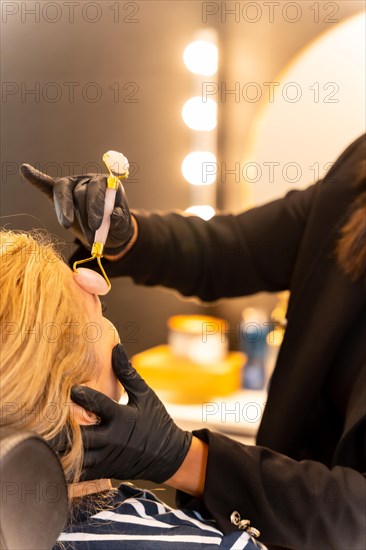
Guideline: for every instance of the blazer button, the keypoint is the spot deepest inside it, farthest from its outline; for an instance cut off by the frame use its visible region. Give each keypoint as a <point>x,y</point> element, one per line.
<point>235,518</point>
<point>244,524</point>
<point>253,532</point>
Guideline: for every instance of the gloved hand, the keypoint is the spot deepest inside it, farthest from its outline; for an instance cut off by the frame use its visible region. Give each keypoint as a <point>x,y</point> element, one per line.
<point>134,441</point>
<point>84,197</point>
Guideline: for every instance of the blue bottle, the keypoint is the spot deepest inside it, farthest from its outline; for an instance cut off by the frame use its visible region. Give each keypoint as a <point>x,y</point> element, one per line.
<point>253,333</point>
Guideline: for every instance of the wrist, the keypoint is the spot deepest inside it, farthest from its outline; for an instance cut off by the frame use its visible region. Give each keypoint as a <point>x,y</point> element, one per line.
<point>129,245</point>
<point>191,475</point>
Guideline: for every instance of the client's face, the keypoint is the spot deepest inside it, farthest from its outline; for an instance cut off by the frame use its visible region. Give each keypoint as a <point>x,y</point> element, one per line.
<point>104,337</point>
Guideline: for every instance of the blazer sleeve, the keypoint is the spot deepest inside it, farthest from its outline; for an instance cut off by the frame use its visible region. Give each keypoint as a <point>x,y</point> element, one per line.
<point>229,255</point>
<point>293,504</point>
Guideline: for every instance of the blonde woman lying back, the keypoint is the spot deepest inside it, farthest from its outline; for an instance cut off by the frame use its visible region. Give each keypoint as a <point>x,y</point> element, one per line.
<point>54,337</point>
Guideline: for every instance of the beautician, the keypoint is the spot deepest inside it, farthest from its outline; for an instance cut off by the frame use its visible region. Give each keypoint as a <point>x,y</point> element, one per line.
<point>303,485</point>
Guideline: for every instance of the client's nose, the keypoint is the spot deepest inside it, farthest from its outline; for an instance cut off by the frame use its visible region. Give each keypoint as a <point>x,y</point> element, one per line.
<point>91,281</point>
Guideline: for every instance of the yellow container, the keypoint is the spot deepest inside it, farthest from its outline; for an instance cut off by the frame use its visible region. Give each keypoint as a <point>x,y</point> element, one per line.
<point>186,382</point>
<point>198,338</point>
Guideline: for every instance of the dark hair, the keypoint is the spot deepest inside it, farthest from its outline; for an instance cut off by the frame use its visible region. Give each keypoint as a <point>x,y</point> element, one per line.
<point>351,247</point>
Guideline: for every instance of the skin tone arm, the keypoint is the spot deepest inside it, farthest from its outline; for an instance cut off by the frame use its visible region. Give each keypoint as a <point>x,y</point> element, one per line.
<point>190,477</point>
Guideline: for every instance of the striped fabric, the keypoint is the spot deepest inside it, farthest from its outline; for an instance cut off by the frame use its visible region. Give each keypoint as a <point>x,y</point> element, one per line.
<point>136,519</point>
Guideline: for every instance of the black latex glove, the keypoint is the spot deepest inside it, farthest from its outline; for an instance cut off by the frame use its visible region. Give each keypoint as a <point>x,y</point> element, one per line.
<point>79,205</point>
<point>134,441</point>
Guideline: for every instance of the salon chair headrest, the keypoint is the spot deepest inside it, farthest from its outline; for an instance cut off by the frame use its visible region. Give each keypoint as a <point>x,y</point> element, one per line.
<point>34,500</point>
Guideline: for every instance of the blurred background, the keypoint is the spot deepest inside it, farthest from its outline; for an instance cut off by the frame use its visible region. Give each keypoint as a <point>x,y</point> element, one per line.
<point>80,78</point>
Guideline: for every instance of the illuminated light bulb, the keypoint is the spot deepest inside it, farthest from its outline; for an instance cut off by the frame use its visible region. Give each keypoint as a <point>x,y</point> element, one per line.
<point>199,114</point>
<point>201,57</point>
<point>200,168</point>
<point>204,211</point>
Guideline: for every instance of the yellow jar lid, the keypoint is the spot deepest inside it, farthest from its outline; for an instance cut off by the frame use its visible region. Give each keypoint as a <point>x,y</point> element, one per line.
<point>192,324</point>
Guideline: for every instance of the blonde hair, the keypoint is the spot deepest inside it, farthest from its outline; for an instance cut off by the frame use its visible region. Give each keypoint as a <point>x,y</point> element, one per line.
<point>44,348</point>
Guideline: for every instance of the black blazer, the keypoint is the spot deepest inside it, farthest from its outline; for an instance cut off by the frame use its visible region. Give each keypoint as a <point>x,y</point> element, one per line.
<point>303,486</point>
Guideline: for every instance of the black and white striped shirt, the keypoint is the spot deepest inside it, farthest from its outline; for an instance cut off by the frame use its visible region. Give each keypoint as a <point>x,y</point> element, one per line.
<point>136,519</point>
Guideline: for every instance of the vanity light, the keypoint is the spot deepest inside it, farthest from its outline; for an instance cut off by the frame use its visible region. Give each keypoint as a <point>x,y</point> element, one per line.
<point>201,57</point>
<point>200,167</point>
<point>204,211</point>
<point>200,114</point>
